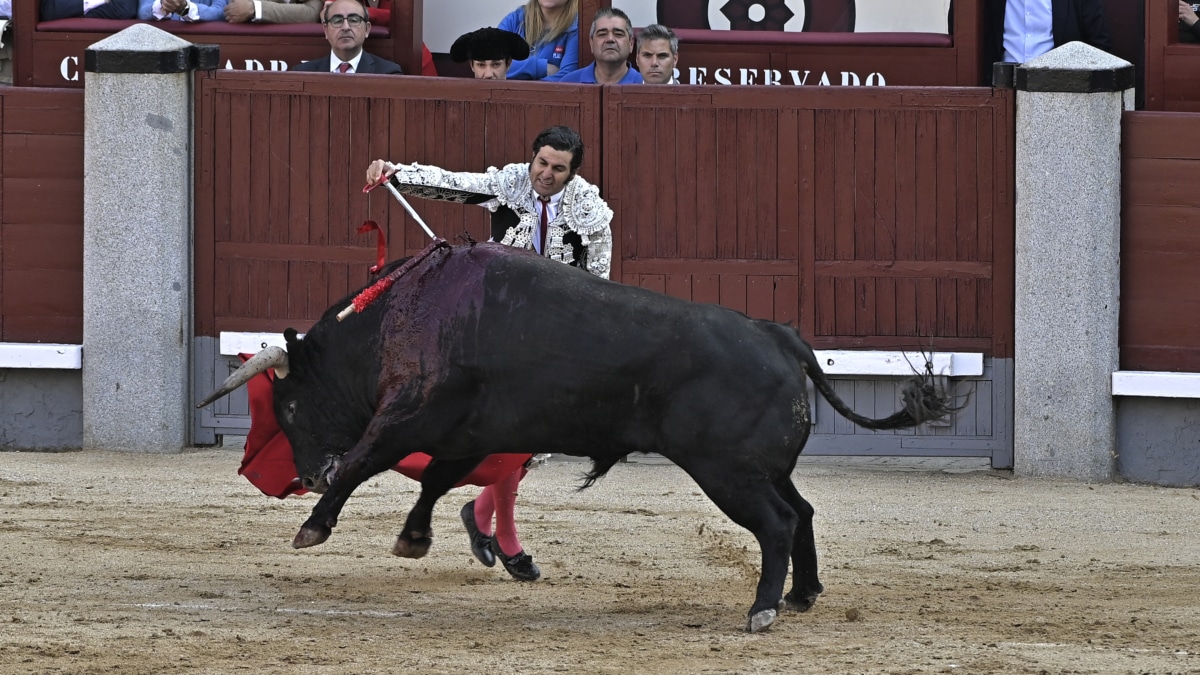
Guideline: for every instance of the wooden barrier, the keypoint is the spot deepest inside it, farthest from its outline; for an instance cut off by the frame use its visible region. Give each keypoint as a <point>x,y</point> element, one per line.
<point>281,162</point>
<point>832,216</point>
<point>1172,67</point>
<point>1160,242</point>
<point>50,53</point>
<point>41,223</point>
<point>874,218</point>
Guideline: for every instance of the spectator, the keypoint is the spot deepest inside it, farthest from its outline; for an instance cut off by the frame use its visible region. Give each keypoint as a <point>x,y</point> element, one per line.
<point>612,43</point>
<point>182,10</point>
<point>346,27</point>
<point>657,54</point>
<point>1019,30</point>
<point>91,9</point>
<point>1189,22</point>
<point>273,11</point>
<point>545,206</point>
<point>380,12</point>
<point>490,52</point>
<point>551,28</point>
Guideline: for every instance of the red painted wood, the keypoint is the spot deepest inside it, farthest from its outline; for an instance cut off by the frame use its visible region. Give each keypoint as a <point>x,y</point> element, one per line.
<point>678,286</point>
<point>1160,246</point>
<point>833,223</point>
<point>733,291</point>
<point>760,297</point>
<point>41,215</point>
<point>298,151</point>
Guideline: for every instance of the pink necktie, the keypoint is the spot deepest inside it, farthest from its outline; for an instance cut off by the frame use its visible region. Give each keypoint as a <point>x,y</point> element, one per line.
<point>545,222</point>
<point>344,68</point>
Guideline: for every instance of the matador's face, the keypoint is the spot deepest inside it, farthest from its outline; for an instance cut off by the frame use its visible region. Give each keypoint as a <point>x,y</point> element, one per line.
<point>550,170</point>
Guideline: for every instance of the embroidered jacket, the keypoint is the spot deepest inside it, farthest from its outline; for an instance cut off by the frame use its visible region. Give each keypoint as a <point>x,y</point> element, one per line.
<point>578,235</point>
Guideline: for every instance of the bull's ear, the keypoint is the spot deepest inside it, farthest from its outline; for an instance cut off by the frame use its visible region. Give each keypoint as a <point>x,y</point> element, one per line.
<point>292,338</point>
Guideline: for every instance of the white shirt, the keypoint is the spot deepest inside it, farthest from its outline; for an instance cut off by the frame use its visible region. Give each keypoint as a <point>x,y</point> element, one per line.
<point>551,214</point>
<point>334,62</point>
<point>1028,29</point>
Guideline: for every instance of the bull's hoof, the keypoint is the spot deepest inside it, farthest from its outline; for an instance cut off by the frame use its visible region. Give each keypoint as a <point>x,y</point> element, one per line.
<point>761,621</point>
<point>311,536</point>
<point>801,603</point>
<point>411,548</point>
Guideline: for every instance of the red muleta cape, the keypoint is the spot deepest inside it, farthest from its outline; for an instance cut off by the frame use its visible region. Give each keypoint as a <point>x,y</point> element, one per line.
<point>268,464</point>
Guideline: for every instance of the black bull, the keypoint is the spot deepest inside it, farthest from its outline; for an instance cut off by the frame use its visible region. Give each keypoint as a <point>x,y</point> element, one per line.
<point>483,349</point>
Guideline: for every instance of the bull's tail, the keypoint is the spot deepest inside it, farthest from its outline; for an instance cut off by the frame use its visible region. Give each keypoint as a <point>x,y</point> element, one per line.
<point>922,399</point>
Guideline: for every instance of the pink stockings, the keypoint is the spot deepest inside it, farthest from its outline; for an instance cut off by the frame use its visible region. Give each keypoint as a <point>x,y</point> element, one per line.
<point>499,499</point>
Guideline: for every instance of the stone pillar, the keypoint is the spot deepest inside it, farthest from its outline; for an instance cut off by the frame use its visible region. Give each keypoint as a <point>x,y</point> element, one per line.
<point>137,239</point>
<point>1068,207</point>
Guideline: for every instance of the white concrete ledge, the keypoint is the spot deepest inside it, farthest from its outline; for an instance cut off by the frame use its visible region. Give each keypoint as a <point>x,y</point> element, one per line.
<point>35,355</point>
<point>833,361</point>
<point>900,364</point>
<point>233,344</point>
<point>1155,384</point>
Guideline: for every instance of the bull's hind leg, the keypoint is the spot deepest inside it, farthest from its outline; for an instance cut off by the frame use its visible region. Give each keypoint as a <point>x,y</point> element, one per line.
<point>439,476</point>
<point>752,502</point>
<point>806,585</point>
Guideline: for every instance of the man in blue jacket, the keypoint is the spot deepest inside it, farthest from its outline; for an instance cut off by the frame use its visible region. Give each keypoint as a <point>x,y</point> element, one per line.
<point>612,43</point>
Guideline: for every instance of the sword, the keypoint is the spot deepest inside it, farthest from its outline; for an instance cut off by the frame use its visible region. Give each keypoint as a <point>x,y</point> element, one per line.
<point>386,180</point>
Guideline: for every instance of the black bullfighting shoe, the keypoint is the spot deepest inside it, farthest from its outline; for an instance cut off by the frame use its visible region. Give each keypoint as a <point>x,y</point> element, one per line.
<point>481,544</point>
<point>520,566</point>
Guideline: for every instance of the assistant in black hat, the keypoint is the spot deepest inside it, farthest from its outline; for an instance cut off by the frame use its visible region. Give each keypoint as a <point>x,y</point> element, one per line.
<point>490,51</point>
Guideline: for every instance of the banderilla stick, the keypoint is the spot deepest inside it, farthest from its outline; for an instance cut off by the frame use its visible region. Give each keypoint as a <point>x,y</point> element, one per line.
<point>408,207</point>
<point>370,293</point>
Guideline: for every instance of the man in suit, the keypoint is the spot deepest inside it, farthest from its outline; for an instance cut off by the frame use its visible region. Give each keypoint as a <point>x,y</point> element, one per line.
<point>346,27</point>
<point>1019,30</point>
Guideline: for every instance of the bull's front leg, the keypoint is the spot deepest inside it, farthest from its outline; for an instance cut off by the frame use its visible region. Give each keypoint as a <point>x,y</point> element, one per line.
<point>349,471</point>
<point>439,477</point>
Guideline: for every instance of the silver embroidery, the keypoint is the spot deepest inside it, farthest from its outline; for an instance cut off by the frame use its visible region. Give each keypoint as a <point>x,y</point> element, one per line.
<point>581,210</point>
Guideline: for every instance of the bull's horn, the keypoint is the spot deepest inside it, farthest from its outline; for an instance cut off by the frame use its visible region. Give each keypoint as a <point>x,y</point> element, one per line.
<point>271,357</point>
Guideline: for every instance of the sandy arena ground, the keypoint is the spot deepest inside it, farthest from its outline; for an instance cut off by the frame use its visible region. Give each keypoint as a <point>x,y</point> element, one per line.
<point>168,564</point>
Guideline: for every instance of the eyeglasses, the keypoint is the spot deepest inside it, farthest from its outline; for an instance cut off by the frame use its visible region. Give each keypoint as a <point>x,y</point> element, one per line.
<point>354,20</point>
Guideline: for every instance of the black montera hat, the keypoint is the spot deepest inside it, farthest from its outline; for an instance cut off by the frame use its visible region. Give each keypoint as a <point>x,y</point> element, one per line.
<point>489,44</point>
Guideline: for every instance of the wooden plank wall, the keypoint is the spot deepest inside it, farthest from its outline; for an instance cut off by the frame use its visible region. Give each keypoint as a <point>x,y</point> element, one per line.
<point>872,218</point>
<point>1160,242</point>
<point>41,215</point>
<point>1172,68</point>
<point>281,164</point>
